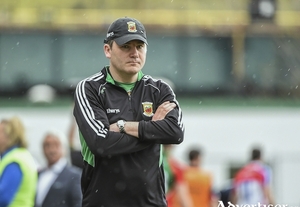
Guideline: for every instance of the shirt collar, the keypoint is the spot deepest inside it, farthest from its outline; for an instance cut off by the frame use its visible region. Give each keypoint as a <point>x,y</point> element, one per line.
<point>59,165</point>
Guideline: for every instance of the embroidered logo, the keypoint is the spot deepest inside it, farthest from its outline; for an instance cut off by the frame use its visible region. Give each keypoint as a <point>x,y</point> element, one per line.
<point>102,90</point>
<point>131,27</point>
<point>110,34</point>
<point>112,111</point>
<point>148,109</point>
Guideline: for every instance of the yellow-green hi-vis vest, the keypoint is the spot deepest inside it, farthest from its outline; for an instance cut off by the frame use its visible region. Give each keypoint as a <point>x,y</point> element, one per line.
<point>26,193</point>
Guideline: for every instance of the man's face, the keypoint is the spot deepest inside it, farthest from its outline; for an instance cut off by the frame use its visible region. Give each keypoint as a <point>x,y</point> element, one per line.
<point>52,149</point>
<point>127,59</point>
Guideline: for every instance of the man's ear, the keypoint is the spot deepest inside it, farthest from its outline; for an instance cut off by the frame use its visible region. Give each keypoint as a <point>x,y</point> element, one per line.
<point>107,50</point>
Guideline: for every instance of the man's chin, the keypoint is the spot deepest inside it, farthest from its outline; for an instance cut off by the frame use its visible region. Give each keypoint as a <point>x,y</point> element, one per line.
<point>133,70</point>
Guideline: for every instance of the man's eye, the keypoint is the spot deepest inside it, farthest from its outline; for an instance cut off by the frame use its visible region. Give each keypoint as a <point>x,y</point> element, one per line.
<point>125,46</point>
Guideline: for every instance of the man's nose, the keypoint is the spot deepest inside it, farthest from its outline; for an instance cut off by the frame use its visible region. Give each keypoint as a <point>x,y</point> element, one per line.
<point>134,52</point>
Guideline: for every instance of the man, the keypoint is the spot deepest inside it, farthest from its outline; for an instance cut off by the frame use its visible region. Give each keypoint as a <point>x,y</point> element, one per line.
<point>199,181</point>
<point>252,182</point>
<point>123,117</point>
<point>58,184</point>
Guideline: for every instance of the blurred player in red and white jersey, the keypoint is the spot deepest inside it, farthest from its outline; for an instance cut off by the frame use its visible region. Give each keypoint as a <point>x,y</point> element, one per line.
<point>252,182</point>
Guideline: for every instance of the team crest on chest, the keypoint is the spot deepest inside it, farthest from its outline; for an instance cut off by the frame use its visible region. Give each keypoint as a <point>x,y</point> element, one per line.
<point>148,109</point>
<point>131,27</point>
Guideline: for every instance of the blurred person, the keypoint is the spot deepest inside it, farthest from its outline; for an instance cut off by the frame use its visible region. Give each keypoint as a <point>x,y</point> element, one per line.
<point>18,170</point>
<point>123,117</point>
<point>176,187</point>
<point>59,183</point>
<point>199,181</point>
<point>225,193</point>
<point>252,183</point>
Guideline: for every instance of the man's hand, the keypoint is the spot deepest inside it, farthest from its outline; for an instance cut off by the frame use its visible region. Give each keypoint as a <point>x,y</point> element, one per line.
<point>131,128</point>
<point>163,110</point>
<point>114,127</point>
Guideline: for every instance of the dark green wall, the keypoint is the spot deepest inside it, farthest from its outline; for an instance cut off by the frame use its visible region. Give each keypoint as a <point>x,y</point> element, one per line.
<point>193,64</point>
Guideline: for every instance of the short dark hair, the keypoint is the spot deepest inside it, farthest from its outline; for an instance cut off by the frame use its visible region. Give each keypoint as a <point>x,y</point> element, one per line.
<point>255,154</point>
<point>194,153</point>
<point>110,43</point>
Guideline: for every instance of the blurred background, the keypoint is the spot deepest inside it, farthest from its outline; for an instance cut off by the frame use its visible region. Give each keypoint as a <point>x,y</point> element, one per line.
<point>234,65</point>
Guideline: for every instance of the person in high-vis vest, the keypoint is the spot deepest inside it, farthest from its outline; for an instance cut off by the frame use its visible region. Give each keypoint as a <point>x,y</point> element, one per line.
<point>18,170</point>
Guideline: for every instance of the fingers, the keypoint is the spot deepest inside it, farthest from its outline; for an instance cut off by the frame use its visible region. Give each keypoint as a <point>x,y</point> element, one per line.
<point>168,105</point>
<point>163,110</point>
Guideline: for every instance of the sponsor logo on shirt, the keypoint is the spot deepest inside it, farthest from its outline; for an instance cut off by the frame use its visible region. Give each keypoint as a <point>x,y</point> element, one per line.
<point>112,111</point>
